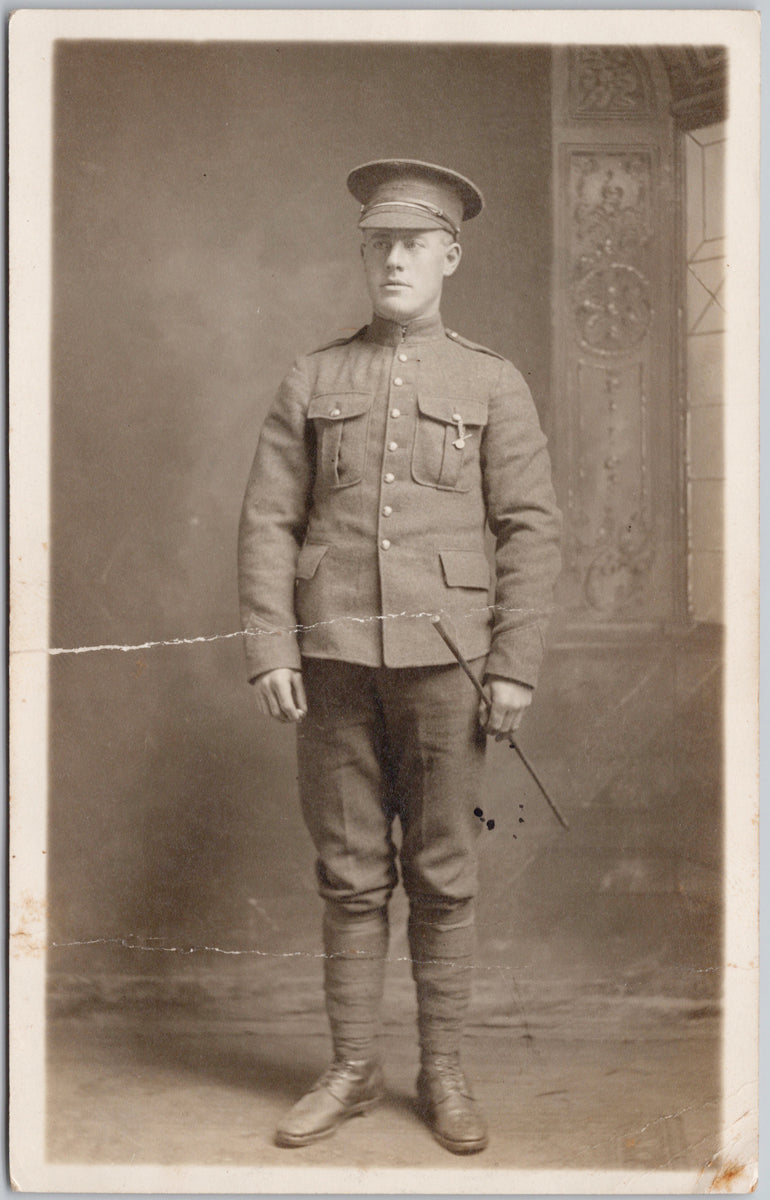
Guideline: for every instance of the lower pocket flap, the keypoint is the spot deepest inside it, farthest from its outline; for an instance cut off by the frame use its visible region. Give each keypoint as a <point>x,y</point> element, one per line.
<point>308,559</point>
<point>465,568</point>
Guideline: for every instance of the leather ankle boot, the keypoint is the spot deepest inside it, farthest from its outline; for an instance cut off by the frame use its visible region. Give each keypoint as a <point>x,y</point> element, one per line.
<point>446,1102</point>
<point>347,1089</point>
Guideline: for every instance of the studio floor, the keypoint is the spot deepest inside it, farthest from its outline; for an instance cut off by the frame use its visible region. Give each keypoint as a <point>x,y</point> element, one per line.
<point>614,1084</point>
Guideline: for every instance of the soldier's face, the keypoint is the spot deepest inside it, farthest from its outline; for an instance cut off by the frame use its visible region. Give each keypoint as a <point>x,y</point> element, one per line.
<point>405,270</point>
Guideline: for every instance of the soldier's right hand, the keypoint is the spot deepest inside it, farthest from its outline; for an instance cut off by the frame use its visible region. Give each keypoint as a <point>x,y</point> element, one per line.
<point>281,694</point>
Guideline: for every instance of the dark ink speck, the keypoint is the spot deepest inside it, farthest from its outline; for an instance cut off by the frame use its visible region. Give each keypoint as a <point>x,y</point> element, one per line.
<point>521,820</point>
<point>478,812</point>
<point>490,824</point>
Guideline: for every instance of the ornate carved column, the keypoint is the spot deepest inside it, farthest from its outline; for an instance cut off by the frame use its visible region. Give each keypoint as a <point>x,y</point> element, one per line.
<point>616,399</point>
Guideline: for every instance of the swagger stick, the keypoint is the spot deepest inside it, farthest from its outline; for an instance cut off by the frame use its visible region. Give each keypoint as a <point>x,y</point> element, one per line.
<point>441,629</point>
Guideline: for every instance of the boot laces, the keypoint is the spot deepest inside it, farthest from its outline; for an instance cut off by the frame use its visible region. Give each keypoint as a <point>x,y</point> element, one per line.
<point>342,1068</point>
<point>447,1068</point>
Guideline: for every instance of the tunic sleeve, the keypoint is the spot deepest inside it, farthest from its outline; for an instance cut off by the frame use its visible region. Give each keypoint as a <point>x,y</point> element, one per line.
<point>526,524</point>
<point>272,527</point>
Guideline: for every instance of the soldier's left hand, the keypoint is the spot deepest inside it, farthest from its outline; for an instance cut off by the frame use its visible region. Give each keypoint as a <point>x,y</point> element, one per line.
<point>509,701</point>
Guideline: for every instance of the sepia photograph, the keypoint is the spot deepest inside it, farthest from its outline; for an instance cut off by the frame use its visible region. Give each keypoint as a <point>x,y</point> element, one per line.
<point>384,587</point>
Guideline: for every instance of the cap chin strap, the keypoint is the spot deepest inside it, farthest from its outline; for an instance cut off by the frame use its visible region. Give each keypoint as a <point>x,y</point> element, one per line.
<point>421,206</point>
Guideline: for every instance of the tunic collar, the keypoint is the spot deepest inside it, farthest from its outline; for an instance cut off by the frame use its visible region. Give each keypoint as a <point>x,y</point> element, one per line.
<point>390,333</point>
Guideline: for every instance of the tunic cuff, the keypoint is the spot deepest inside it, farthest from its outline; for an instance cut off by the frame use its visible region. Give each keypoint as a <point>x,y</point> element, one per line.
<point>267,649</point>
<point>517,654</point>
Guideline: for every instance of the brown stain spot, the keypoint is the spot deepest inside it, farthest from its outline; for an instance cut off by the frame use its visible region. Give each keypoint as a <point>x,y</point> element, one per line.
<point>27,938</point>
<point>141,666</point>
<point>727,1176</point>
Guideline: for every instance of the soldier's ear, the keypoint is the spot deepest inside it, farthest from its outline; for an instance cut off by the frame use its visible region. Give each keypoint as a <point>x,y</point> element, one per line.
<point>452,258</point>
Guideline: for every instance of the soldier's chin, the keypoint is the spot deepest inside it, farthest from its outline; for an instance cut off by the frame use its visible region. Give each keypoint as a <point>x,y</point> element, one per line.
<point>395,308</point>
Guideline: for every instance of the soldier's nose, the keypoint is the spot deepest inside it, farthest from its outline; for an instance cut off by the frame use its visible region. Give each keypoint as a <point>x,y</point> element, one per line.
<point>394,256</point>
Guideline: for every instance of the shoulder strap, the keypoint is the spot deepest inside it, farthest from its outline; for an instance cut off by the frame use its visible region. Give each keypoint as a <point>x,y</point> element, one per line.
<point>461,341</point>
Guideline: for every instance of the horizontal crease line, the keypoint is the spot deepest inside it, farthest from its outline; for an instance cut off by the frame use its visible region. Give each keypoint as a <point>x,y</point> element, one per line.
<point>478,969</point>
<point>277,632</point>
<point>129,945</point>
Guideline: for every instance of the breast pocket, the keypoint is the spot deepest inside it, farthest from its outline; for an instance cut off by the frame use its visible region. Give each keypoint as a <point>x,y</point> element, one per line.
<point>341,422</point>
<point>446,441</point>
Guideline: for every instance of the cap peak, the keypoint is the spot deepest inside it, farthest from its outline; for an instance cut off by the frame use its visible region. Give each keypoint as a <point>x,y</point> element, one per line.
<point>409,193</point>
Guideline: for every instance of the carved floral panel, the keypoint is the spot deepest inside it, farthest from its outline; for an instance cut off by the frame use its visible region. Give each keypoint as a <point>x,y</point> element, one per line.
<point>610,221</point>
<point>607,81</point>
<point>610,310</point>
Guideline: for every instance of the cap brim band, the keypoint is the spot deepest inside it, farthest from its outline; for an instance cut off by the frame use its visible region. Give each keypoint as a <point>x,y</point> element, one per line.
<point>399,216</point>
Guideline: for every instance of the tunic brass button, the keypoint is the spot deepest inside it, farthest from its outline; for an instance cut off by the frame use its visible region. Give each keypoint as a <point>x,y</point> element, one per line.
<point>389,477</point>
<point>385,544</point>
<point>402,358</point>
<point>398,381</point>
<point>334,412</point>
<point>392,445</point>
<point>395,413</point>
<point>387,510</point>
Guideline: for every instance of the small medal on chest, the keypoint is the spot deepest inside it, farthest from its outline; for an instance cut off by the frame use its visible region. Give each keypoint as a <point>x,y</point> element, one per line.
<point>462,433</point>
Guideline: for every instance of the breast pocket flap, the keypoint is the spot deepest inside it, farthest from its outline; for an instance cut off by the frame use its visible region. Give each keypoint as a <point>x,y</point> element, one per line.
<point>308,559</point>
<point>465,568</point>
<point>338,406</point>
<point>439,408</point>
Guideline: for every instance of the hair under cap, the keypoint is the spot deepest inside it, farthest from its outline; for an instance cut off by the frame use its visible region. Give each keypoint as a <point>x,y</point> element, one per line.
<point>403,193</point>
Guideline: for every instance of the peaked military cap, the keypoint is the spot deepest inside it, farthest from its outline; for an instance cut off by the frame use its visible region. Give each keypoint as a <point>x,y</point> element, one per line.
<point>402,193</point>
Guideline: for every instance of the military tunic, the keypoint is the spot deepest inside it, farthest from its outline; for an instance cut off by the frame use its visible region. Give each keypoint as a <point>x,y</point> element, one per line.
<point>378,468</point>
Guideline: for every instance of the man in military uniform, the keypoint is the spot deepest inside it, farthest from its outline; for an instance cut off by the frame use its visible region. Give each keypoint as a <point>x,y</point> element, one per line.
<point>381,463</point>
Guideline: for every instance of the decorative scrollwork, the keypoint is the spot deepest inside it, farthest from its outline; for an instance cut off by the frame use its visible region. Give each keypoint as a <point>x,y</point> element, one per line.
<point>610,205</point>
<point>606,81</point>
<point>617,574</point>
<point>612,308</point>
<point>610,233</point>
